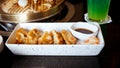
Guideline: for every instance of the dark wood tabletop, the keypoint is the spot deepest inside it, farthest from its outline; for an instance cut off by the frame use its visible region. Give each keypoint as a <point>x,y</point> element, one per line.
<point>109,57</point>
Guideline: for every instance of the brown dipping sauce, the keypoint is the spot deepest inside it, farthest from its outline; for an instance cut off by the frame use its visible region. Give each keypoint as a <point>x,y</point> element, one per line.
<point>82,30</point>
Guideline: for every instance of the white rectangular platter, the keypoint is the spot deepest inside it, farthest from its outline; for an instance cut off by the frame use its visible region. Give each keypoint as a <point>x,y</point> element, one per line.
<point>53,50</point>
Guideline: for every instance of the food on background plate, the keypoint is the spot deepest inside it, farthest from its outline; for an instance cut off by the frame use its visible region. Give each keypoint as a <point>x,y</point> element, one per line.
<point>8,4</point>
<point>25,6</point>
<point>22,3</point>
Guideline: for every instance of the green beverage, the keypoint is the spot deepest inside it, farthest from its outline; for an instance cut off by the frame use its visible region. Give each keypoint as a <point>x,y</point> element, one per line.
<point>98,9</point>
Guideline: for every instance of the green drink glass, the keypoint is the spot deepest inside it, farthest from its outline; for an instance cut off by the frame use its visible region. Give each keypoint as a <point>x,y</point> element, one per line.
<point>98,10</point>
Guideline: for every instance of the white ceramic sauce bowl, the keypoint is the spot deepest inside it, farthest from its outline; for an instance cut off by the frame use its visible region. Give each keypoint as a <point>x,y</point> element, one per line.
<point>87,26</point>
<point>1,44</point>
